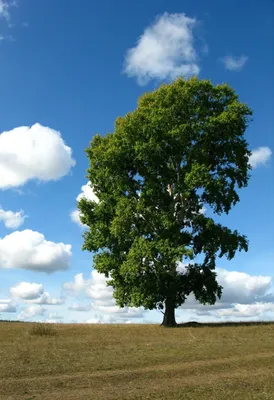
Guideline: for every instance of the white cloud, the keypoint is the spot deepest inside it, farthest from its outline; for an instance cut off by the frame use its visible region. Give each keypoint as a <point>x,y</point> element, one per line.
<point>164,51</point>
<point>80,307</point>
<point>260,156</point>
<point>233,63</point>
<point>46,299</point>
<point>203,210</point>
<point>12,220</point>
<point>27,291</point>
<point>77,285</point>
<point>31,251</point>
<point>101,295</point>
<point>95,320</point>
<point>55,316</point>
<point>108,307</point>
<point>242,294</point>
<point>240,287</point>
<point>30,312</point>
<point>181,267</point>
<point>5,9</point>
<point>7,306</point>
<point>75,217</point>
<point>48,321</point>
<point>33,293</point>
<point>35,152</point>
<point>97,288</point>
<point>246,311</point>
<point>107,319</point>
<point>87,192</point>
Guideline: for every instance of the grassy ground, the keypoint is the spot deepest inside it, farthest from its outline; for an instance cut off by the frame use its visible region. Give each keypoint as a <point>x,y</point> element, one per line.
<point>128,362</point>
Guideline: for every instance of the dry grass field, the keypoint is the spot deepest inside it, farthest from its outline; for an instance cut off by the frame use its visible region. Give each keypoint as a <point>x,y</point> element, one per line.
<point>136,362</point>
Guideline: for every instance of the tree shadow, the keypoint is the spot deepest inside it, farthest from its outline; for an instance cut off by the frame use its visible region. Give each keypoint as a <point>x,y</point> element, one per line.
<point>194,324</point>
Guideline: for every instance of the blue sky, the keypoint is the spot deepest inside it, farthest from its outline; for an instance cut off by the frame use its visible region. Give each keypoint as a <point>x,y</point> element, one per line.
<point>73,68</point>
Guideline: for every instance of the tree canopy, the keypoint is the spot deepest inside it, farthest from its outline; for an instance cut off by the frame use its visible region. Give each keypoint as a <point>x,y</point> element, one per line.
<point>181,149</point>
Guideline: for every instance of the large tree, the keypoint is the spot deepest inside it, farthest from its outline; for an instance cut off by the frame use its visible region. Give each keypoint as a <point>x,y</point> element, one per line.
<point>181,150</point>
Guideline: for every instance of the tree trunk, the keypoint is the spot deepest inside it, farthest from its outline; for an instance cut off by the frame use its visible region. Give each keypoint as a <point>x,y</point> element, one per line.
<point>169,315</point>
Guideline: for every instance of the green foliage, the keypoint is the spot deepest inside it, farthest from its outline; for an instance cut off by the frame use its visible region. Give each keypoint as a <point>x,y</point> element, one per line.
<point>182,148</point>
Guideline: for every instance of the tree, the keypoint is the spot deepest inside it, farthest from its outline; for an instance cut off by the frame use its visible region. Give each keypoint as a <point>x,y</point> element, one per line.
<point>183,148</point>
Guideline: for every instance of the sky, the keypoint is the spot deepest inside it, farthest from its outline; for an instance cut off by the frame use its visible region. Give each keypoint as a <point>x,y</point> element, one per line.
<point>68,70</point>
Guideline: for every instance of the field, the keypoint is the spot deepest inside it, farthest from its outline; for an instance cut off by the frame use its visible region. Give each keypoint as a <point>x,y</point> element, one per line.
<point>136,362</point>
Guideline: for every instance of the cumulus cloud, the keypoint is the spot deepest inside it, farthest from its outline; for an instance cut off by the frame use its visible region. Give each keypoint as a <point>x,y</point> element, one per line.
<point>12,220</point>
<point>97,288</point>
<point>108,307</point>
<point>75,217</point>
<point>87,192</point>
<point>33,293</point>
<point>243,295</point>
<point>203,210</point>
<point>233,63</point>
<point>7,306</point>
<point>260,156</point>
<point>27,291</point>
<point>95,320</point>
<point>55,316</point>
<point>240,287</point>
<point>48,300</point>
<point>35,152</point>
<point>101,295</point>
<point>107,320</point>
<point>103,301</point>
<point>80,307</point>
<point>77,285</point>
<point>31,251</point>
<point>5,9</point>
<point>181,267</point>
<point>164,51</point>
<point>31,312</point>
<point>246,311</point>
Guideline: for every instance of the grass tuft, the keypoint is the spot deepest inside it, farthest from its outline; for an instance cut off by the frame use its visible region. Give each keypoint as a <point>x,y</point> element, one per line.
<point>40,329</point>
